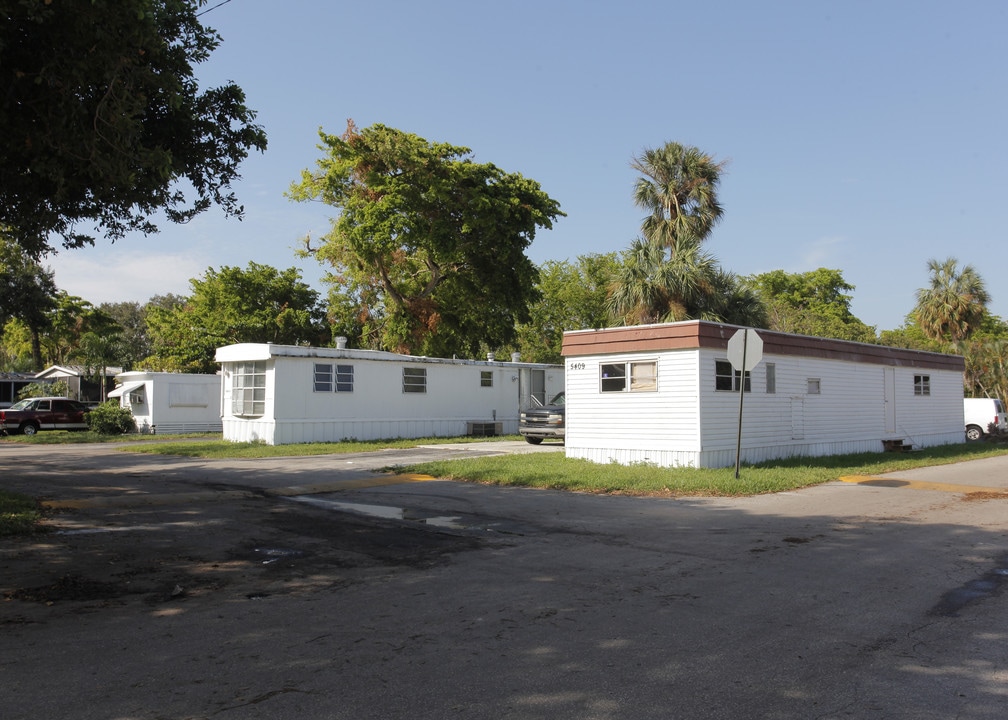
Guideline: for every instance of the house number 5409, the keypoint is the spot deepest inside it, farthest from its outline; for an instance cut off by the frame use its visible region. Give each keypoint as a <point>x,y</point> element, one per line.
<point>577,366</point>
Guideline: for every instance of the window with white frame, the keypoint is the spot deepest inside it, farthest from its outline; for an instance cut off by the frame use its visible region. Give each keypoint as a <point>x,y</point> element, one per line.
<point>486,378</point>
<point>612,377</point>
<point>642,376</point>
<point>814,386</point>
<point>922,384</point>
<point>248,389</point>
<point>414,380</point>
<point>728,378</point>
<point>771,378</point>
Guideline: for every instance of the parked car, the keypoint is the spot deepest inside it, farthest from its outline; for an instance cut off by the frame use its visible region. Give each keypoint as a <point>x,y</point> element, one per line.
<point>47,413</point>
<point>549,421</point>
<point>984,416</point>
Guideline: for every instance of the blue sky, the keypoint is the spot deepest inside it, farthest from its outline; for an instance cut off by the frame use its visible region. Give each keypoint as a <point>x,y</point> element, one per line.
<point>863,136</point>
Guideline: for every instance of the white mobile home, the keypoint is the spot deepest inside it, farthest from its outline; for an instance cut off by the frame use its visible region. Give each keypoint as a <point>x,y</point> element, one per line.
<point>668,395</point>
<point>281,394</point>
<point>171,402</point>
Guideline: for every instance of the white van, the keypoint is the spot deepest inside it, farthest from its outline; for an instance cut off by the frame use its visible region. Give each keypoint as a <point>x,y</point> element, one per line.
<point>980,414</point>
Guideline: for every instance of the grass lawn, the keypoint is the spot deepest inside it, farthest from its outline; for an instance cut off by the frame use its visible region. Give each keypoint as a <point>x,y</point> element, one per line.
<point>554,471</point>
<point>19,514</point>
<point>223,449</point>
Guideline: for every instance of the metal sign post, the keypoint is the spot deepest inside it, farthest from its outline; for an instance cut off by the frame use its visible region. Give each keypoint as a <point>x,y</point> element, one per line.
<point>745,350</point>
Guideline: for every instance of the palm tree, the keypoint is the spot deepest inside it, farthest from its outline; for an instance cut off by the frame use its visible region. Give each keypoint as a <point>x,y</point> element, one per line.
<point>954,305</point>
<point>650,288</point>
<point>679,190</point>
<point>735,302</point>
<point>98,351</point>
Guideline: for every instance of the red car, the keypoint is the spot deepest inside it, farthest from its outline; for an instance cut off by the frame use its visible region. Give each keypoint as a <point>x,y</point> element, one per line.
<point>48,413</point>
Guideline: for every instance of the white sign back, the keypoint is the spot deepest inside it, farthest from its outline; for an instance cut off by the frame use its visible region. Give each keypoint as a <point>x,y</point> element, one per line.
<point>745,342</point>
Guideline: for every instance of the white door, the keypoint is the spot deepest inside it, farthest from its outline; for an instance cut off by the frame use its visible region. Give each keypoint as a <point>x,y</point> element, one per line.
<point>797,418</point>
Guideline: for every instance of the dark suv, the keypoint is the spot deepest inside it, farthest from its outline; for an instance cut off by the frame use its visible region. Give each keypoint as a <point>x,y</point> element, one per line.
<point>548,421</point>
<point>48,413</point>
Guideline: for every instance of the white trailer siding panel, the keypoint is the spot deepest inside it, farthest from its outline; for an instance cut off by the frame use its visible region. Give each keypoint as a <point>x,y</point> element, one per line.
<point>361,394</point>
<point>657,427</point>
<point>827,397</point>
<point>168,403</point>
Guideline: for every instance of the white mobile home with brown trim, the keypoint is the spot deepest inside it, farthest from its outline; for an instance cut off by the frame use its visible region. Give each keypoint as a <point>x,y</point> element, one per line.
<point>281,394</point>
<point>667,395</point>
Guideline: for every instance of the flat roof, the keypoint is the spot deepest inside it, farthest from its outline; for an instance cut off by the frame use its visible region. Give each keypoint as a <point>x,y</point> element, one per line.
<point>697,334</point>
<point>246,352</point>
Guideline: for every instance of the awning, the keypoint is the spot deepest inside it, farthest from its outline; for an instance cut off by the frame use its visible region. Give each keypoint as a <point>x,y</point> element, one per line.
<point>125,388</point>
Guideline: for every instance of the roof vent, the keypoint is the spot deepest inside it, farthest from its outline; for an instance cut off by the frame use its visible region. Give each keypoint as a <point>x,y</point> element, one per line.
<point>341,343</point>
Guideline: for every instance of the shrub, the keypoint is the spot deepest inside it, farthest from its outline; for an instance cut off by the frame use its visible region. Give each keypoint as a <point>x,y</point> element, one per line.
<point>59,388</point>
<point>110,418</point>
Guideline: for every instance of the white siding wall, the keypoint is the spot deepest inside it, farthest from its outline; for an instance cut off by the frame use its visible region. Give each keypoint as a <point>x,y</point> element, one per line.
<point>654,427</point>
<point>689,422</point>
<point>174,402</point>
<point>377,407</point>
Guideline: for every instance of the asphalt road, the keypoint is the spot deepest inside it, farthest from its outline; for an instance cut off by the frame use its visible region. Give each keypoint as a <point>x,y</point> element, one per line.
<point>323,588</point>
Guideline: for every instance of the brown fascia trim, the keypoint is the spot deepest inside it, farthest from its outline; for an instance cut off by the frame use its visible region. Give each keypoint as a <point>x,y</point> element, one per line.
<point>695,334</point>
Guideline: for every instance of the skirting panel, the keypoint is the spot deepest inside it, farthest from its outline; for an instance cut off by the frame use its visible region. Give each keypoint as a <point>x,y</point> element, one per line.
<point>726,457</point>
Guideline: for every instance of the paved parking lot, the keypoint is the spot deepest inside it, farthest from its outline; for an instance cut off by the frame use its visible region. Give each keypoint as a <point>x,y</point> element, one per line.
<point>323,588</point>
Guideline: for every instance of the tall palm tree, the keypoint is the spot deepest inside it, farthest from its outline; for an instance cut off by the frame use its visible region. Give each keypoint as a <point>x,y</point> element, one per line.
<point>955,303</point>
<point>678,188</point>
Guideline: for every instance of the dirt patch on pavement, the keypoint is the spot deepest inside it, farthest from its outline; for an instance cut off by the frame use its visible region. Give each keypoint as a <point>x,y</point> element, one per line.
<point>992,495</point>
<point>230,549</point>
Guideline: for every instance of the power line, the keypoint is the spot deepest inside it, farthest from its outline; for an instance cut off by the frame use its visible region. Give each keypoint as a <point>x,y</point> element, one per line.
<point>204,12</point>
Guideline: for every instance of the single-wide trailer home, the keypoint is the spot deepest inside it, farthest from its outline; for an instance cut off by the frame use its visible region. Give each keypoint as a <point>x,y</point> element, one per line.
<point>668,395</point>
<point>168,403</point>
<point>281,394</point>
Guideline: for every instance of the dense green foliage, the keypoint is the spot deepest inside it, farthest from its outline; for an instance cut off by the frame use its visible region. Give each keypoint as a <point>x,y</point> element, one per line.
<point>27,295</point>
<point>104,122</point>
<point>811,303</point>
<point>60,388</point>
<point>110,418</point>
<point>234,305</point>
<point>429,246</point>
<point>572,296</point>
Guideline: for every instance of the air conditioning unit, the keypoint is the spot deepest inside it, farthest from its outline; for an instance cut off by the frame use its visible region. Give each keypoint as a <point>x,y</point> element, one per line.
<point>484,429</point>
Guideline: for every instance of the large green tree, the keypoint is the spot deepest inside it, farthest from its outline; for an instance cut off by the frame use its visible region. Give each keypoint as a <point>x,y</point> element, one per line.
<point>813,303</point>
<point>233,305</point>
<point>27,294</point>
<point>105,124</point>
<point>71,319</point>
<point>132,344</point>
<point>572,296</point>
<point>954,304</point>
<point>430,243</point>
